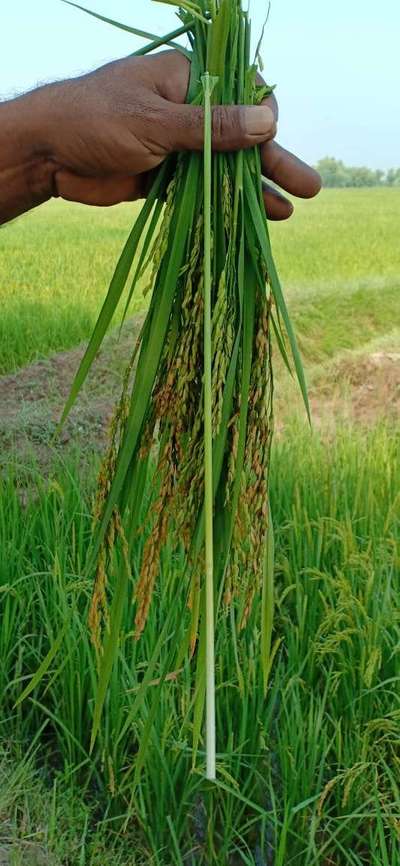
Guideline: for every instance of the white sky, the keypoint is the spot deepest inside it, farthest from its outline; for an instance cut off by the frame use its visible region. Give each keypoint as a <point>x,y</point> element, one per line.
<point>336,64</point>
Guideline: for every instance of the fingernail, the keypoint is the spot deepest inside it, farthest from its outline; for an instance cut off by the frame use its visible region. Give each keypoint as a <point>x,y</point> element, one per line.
<point>259,120</point>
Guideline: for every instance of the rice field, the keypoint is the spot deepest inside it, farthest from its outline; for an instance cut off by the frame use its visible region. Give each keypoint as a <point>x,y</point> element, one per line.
<point>309,775</point>
<point>342,248</point>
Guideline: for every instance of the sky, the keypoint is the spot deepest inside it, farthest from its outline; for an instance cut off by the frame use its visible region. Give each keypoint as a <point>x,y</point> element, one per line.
<point>335,63</point>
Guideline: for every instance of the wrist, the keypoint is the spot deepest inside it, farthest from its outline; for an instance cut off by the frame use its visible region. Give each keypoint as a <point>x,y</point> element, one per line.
<point>26,165</point>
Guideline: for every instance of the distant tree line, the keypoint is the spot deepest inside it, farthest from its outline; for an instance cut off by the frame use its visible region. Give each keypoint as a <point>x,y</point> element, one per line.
<point>335,173</point>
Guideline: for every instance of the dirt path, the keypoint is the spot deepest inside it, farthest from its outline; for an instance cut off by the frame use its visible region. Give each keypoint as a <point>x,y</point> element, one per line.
<point>32,400</point>
<point>25,855</point>
<point>358,388</point>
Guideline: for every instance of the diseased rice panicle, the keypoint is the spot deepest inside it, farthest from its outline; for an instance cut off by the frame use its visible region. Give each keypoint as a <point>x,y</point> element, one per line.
<point>152,482</point>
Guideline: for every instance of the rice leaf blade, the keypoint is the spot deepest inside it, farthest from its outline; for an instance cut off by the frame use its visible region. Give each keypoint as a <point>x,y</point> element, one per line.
<point>254,216</point>
<point>117,286</point>
<point>111,647</point>
<point>45,664</point>
<point>149,361</point>
<point>200,684</point>
<point>156,41</point>
<point>267,601</point>
<point>149,239</point>
<point>192,8</point>
<point>281,344</point>
<point>149,675</point>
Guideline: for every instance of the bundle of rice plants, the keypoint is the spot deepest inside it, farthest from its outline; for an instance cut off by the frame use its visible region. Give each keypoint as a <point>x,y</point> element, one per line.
<point>188,462</point>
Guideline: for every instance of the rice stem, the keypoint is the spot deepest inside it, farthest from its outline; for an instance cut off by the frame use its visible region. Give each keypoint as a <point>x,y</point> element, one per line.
<point>208,446</point>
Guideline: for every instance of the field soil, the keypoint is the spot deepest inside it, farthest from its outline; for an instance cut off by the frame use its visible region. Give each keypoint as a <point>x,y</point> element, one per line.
<point>32,400</point>
<point>360,388</point>
<point>363,388</point>
<point>25,855</point>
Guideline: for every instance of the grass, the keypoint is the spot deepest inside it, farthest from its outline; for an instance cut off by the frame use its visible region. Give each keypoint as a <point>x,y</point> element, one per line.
<point>315,762</point>
<point>343,240</point>
<point>45,821</point>
<point>56,264</point>
<point>368,313</point>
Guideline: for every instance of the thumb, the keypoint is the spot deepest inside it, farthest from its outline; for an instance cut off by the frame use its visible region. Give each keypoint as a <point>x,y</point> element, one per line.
<point>233,127</point>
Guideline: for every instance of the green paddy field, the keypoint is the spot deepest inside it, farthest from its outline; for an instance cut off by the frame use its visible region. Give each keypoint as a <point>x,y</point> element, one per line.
<point>339,259</point>
<point>308,775</point>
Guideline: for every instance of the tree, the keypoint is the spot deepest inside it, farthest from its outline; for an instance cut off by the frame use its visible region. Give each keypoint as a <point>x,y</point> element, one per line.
<point>332,171</point>
<point>393,177</point>
<point>335,173</point>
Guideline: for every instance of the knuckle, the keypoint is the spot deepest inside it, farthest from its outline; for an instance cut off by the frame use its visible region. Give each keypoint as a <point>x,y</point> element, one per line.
<point>184,128</point>
<point>218,124</point>
<point>229,127</point>
<point>240,123</point>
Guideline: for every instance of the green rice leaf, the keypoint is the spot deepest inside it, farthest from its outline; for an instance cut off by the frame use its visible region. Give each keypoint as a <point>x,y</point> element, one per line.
<point>156,41</point>
<point>200,683</point>
<point>117,286</point>
<point>148,677</point>
<point>247,355</point>
<point>218,42</point>
<point>281,344</point>
<point>144,34</point>
<point>148,244</point>
<point>150,358</point>
<point>45,665</point>
<point>267,601</point>
<point>111,646</point>
<point>147,729</point>
<point>255,217</point>
<point>192,8</point>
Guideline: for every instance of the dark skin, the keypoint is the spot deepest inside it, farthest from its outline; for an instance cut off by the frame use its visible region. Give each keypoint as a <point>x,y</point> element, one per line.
<point>96,139</point>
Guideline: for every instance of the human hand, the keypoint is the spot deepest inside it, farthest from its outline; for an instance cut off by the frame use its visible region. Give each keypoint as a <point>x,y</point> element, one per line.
<point>96,139</point>
<point>107,130</point>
